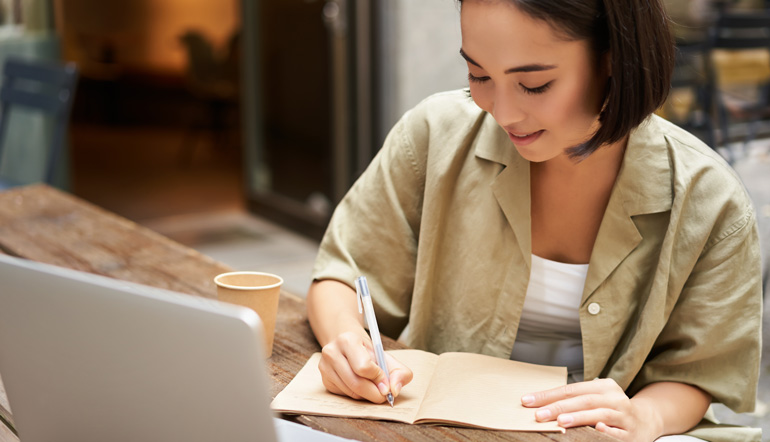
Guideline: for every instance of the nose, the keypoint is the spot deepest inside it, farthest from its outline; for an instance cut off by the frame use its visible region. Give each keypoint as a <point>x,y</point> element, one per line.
<point>507,108</point>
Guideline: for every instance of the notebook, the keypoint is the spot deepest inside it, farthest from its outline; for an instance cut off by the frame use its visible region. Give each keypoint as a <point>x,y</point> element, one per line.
<point>88,358</point>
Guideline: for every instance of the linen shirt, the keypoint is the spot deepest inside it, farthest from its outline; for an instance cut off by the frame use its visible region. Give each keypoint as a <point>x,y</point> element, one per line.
<point>440,225</point>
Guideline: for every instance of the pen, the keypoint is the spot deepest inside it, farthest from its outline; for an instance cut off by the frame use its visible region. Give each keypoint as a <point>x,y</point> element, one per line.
<point>362,291</point>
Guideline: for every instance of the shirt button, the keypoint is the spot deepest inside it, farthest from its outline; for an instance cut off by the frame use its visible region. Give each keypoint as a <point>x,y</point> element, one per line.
<point>594,308</point>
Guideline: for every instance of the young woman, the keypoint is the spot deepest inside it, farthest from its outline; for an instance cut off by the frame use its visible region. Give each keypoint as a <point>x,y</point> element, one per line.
<point>549,217</point>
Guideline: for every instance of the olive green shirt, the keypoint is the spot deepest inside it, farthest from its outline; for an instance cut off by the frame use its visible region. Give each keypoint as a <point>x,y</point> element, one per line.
<point>440,225</point>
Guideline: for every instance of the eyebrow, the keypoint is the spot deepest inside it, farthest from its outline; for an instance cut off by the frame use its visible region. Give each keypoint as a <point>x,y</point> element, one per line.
<point>525,68</point>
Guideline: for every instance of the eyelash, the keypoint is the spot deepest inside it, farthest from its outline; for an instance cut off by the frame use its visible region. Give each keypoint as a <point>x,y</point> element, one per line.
<point>537,90</point>
<point>534,90</point>
<point>474,79</point>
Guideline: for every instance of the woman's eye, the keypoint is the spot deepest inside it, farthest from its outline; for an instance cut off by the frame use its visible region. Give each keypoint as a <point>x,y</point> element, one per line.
<point>474,79</point>
<point>537,90</point>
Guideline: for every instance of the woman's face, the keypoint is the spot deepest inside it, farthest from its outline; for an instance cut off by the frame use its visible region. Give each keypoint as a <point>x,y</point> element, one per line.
<point>544,90</point>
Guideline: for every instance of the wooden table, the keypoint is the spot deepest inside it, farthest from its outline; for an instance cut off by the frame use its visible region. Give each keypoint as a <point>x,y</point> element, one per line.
<point>46,225</point>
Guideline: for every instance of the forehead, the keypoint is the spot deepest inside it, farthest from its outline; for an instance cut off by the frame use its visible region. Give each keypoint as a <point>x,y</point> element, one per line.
<point>490,26</point>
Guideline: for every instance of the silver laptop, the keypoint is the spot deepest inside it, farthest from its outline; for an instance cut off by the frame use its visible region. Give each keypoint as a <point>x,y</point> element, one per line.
<point>88,358</point>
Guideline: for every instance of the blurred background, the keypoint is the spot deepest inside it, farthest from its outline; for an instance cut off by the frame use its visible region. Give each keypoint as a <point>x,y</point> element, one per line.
<point>232,126</point>
<point>269,106</point>
<point>235,126</point>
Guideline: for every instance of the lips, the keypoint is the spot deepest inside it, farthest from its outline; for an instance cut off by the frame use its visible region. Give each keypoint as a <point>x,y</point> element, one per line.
<point>522,139</point>
<point>521,136</point>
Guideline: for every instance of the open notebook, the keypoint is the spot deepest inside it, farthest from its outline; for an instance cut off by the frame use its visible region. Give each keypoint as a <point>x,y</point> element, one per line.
<point>462,389</point>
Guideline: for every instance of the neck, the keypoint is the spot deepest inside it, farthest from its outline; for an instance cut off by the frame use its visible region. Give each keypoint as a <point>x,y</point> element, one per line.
<point>603,162</point>
<point>568,202</point>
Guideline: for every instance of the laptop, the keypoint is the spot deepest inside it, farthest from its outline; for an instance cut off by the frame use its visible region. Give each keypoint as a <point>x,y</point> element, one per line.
<point>88,358</point>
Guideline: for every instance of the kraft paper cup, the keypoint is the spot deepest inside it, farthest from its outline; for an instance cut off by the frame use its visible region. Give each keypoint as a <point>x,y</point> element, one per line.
<point>257,291</point>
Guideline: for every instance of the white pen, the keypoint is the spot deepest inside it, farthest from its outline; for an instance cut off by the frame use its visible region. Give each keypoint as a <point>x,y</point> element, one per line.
<point>362,291</point>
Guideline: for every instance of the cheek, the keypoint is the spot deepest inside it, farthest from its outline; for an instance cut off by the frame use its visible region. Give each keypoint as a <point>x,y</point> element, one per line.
<point>590,94</point>
<point>589,104</point>
<point>482,96</point>
<point>576,105</point>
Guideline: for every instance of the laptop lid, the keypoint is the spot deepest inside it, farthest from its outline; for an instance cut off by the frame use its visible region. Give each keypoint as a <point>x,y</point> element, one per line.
<point>89,358</point>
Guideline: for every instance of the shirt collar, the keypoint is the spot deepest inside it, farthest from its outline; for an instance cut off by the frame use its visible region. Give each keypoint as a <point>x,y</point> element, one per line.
<point>645,178</point>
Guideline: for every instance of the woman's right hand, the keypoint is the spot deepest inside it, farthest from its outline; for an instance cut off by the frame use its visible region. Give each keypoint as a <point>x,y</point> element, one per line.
<point>349,368</point>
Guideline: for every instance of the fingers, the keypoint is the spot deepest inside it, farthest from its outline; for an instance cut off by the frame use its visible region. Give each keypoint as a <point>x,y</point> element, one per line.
<point>400,374</point>
<point>339,378</point>
<point>600,403</point>
<point>348,367</point>
<point>612,401</point>
<point>334,383</point>
<point>607,416</point>
<point>597,386</point>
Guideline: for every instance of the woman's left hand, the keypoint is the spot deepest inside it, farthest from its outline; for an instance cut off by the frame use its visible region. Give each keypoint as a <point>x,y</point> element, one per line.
<point>600,403</point>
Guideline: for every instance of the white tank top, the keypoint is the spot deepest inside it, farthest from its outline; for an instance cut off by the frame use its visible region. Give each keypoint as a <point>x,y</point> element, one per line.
<point>549,330</point>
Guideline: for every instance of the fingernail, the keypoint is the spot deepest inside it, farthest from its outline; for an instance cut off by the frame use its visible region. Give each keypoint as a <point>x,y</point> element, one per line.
<point>396,389</point>
<point>565,419</point>
<point>383,388</point>
<point>528,400</point>
<point>543,414</point>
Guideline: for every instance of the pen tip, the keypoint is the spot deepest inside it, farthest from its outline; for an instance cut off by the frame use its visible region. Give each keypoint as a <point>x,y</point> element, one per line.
<point>390,399</point>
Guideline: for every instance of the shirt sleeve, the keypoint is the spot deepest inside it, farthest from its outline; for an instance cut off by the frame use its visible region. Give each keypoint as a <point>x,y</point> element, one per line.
<point>712,338</point>
<point>373,231</point>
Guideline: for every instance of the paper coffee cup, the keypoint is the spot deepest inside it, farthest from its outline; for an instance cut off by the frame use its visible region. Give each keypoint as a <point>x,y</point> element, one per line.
<point>257,291</point>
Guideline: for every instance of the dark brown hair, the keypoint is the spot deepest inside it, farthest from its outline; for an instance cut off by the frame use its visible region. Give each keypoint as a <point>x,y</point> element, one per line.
<point>637,36</point>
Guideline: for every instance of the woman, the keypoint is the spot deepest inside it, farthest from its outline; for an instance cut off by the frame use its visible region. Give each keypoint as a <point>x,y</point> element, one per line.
<point>551,218</point>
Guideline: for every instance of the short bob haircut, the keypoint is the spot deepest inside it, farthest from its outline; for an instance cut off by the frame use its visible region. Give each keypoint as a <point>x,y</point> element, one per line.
<point>637,35</point>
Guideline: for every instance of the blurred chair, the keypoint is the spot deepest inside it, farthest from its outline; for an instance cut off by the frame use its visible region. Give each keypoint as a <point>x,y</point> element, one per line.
<point>212,77</point>
<point>689,104</point>
<point>739,71</point>
<point>45,88</point>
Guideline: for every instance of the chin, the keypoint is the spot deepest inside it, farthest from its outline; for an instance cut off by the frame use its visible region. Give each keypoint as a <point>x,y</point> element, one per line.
<point>534,155</point>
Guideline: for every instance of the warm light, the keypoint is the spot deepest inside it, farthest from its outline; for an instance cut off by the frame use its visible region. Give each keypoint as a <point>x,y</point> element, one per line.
<point>140,34</point>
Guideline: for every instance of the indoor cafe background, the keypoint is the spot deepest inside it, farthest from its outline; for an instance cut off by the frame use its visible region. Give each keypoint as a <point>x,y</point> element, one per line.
<point>223,122</point>
<point>235,126</point>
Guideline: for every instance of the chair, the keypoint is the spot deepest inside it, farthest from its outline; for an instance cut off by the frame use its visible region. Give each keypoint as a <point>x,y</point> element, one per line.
<point>45,87</point>
<point>739,71</point>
